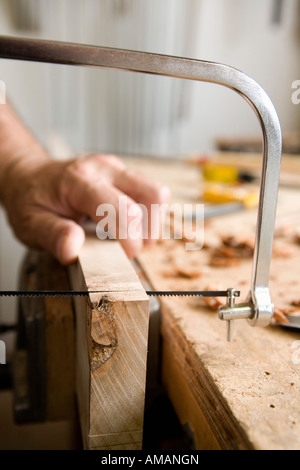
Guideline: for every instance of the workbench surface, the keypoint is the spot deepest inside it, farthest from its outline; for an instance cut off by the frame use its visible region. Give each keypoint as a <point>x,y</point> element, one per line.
<point>242,394</point>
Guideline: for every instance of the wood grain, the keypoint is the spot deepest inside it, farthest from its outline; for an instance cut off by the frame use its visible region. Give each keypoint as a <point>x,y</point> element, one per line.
<point>112,333</point>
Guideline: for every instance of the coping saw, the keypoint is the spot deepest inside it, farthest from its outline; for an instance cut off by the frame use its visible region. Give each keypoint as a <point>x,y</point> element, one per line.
<point>258,308</point>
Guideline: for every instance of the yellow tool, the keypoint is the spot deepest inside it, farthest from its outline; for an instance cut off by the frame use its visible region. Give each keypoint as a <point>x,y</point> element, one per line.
<point>224,173</point>
<point>220,173</point>
<point>222,184</point>
<point>223,193</point>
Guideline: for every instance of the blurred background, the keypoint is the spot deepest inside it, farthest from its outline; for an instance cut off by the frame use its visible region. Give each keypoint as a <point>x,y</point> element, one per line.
<point>73,110</point>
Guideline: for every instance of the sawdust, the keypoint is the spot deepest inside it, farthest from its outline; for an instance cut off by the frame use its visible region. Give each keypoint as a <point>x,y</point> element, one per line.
<point>213,303</point>
<point>280,315</point>
<point>186,272</point>
<point>227,251</point>
<point>223,257</point>
<point>231,250</point>
<point>243,245</point>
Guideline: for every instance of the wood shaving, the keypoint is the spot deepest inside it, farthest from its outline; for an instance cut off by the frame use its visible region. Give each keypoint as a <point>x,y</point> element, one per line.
<point>242,245</point>
<point>182,271</point>
<point>234,248</point>
<point>223,257</point>
<point>187,272</point>
<point>222,262</point>
<point>280,314</point>
<point>231,250</point>
<point>213,303</point>
<point>189,237</point>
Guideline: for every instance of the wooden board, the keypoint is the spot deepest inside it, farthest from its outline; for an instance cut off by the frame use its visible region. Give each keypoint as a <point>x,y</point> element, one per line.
<point>112,333</point>
<point>238,395</point>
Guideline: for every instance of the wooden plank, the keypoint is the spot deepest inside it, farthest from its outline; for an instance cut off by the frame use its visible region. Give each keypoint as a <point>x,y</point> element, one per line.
<point>244,393</point>
<point>112,333</point>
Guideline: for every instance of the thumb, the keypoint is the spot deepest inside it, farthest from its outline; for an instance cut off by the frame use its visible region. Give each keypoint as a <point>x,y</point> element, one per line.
<point>61,237</point>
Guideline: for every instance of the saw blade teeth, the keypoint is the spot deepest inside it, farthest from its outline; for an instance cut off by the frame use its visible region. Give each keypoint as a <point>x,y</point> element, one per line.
<point>87,293</point>
<point>31,294</point>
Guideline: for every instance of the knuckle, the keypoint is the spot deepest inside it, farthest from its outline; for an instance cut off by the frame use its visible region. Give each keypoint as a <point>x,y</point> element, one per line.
<point>78,167</point>
<point>111,161</point>
<point>94,166</point>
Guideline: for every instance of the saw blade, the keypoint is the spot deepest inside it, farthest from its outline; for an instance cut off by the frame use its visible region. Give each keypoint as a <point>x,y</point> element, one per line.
<point>201,293</point>
<point>46,293</point>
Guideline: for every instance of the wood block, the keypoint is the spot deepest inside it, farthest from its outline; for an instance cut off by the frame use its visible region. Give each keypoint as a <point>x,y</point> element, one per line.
<point>112,333</point>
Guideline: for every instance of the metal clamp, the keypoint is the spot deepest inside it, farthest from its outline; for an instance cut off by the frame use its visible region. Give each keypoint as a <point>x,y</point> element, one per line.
<point>258,308</point>
<point>233,312</point>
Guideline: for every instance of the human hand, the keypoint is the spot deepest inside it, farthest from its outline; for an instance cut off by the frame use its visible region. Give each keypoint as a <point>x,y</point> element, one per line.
<point>46,201</point>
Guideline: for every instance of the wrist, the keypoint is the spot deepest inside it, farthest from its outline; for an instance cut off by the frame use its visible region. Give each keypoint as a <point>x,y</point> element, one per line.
<point>19,150</point>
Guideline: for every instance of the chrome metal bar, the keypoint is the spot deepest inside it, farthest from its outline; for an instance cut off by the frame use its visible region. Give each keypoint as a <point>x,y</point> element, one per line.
<point>191,69</point>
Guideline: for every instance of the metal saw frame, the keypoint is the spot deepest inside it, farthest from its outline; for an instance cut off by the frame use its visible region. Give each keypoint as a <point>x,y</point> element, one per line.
<point>258,307</point>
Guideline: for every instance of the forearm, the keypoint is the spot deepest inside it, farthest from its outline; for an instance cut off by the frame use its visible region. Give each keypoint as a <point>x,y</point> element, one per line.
<point>17,146</point>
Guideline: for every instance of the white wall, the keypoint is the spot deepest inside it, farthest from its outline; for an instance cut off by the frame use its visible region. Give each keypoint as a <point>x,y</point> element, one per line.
<point>74,109</point>
<point>98,110</point>
<point>241,34</point>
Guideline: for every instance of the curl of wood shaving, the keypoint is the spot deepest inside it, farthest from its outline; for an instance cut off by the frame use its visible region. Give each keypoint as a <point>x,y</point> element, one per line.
<point>231,250</point>
<point>187,272</point>
<point>234,248</point>
<point>280,314</point>
<point>213,303</point>
<point>182,272</point>
<point>223,257</point>
<point>242,245</point>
